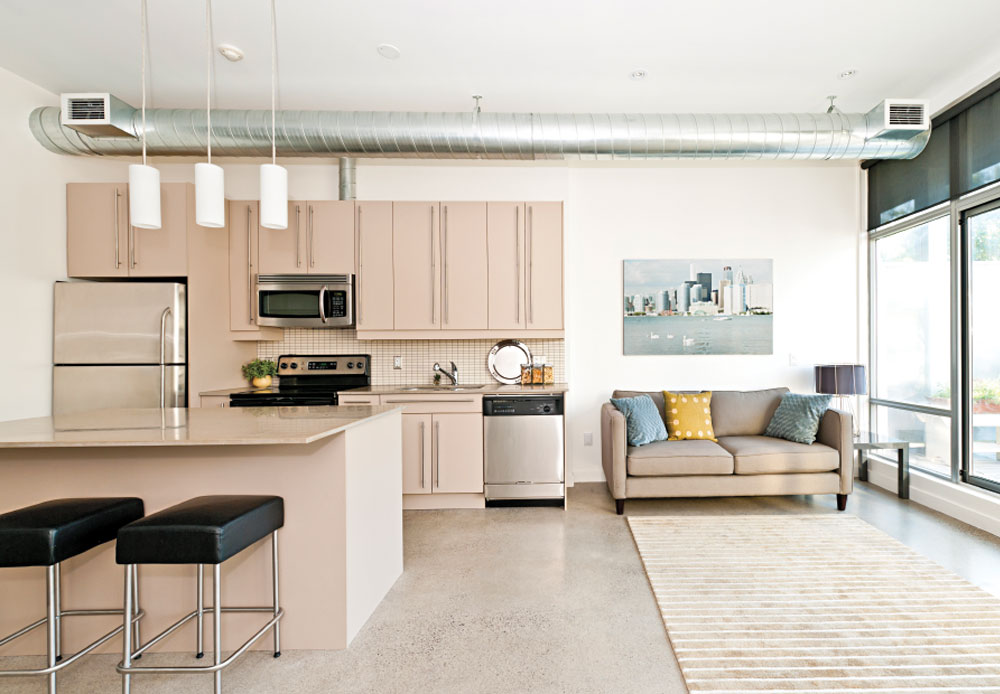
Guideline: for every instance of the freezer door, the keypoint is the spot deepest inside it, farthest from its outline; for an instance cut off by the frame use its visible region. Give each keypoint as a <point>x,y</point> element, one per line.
<point>120,323</point>
<point>79,388</point>
<point>523,449</point>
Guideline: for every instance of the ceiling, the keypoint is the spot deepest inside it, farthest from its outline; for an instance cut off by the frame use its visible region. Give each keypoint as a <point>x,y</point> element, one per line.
<point>521,55</point>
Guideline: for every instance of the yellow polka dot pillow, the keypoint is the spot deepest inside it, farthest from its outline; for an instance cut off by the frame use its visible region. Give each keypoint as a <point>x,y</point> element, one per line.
<point>689,415</point>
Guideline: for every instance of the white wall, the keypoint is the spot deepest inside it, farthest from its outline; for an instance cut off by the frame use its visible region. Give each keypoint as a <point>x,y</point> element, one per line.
<point>32,245</point>
<point>803,216</point>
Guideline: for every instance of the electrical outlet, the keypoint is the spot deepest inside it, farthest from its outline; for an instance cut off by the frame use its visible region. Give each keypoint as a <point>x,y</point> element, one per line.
<point>588,438</point>
<point>397,362</point>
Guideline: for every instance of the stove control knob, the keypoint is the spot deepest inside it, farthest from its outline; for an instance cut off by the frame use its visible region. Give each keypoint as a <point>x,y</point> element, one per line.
<point>350,365</point>
<point>284,365</point>
<point>294,365</point>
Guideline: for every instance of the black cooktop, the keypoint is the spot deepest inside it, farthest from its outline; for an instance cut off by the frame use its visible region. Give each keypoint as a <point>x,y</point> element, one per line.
<point>309,380</point>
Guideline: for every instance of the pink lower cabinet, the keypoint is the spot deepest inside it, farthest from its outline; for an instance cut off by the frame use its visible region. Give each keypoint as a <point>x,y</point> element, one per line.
<point>417,453</point>
<point>442,449</point>
<point>458,453</point>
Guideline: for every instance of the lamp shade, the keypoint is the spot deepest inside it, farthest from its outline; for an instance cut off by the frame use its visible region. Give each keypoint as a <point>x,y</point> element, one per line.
<point>841,379</point>
<point>209,195</point>
<point>144,196</point>
<point>273,196</point>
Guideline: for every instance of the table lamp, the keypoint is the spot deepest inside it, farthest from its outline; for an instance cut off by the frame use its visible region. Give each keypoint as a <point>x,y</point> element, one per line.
<point>845,381</point>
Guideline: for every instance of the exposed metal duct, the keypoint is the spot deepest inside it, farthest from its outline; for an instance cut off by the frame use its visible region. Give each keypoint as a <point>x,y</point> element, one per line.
<point>518,136</point>
<point>348,181</point>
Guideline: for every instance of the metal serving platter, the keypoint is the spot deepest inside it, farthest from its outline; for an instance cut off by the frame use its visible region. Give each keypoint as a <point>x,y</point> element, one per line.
<point>505,360</point>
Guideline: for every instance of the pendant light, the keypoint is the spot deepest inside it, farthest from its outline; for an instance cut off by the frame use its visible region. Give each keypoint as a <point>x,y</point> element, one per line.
<point>143,180</point>
<point>273,178</point>
<point>209,179</point>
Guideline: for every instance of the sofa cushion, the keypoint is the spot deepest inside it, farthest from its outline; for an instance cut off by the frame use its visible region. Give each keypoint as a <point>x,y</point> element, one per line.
<point>643,422</point>
<point>797,417</point>
<point>656,395</point>
<point>763,455</point>
<point>744,413</point>
<point>689,415</point>
<point>678,458</point>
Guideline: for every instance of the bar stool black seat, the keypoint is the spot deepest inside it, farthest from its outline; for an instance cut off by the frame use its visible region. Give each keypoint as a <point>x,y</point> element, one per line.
<point>47,534</point>
<point>203,530</point>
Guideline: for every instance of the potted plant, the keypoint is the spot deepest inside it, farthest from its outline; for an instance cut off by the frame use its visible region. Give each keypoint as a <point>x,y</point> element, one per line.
<point>259,372</point>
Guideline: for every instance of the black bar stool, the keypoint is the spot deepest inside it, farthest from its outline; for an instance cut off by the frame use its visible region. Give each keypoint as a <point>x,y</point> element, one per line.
<point>203,530</point>
<point>49,533</point>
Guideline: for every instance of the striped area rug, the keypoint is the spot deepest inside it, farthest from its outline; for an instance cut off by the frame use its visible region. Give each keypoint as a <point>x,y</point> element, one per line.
<point>814,604</point>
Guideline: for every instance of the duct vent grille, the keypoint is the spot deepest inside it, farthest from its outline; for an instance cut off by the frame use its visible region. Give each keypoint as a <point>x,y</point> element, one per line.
<point>906,114</point>
<point>86,109</point>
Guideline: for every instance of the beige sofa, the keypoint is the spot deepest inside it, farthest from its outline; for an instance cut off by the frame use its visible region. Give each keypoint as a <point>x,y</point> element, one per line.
<point>743,463</point>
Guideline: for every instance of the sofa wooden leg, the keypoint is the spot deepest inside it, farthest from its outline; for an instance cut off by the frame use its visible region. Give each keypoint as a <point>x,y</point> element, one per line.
<point>620,506</point>
<point>841,502</point>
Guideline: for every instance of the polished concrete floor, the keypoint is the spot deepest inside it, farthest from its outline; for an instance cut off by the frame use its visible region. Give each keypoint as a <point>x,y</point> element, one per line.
<point>529,600</point>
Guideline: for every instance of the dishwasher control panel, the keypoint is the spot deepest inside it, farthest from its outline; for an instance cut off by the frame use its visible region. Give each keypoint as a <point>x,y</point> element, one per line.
<point>520,406</point>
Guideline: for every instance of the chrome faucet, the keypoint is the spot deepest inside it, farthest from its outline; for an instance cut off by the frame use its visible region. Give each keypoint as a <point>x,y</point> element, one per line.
<point>452,375</point>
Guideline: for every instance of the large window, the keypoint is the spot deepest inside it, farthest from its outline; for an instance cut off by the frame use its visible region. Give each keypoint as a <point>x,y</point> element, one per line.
<point>911,311</point>
<point>982,238</point>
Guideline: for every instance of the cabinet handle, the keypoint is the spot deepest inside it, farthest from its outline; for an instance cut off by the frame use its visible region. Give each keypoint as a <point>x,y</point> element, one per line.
<point>531,265</point>
<point>131,245</point>
<point>118,256</point>
<point>437,453</point>
<point>357,244</point>
<point>311,245</point>
<point>433,267</point>
<point>249,272</point>
<point>444,262</point>
<point>426,402</point>
<point>421,455</point>
<point>298,233</point>
<point>517,264</point>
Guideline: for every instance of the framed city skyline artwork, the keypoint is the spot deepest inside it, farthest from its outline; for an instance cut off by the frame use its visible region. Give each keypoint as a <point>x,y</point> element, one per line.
<point>714,306</point>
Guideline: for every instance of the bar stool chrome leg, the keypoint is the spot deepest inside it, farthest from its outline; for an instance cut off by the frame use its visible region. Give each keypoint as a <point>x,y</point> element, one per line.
<point>217,622</point>
<point>50,627</point>
<point>200,653</point>
<point>274,583</point>
<point>135,609</point>
<point>127,632</point>
<point>58,612</point>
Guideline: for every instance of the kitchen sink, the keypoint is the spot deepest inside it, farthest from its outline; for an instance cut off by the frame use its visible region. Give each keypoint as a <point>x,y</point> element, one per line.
<point>440,389</point>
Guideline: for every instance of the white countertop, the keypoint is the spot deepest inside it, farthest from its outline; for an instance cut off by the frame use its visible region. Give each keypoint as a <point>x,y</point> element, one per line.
<point>426,389</point>
<point>215,426</point>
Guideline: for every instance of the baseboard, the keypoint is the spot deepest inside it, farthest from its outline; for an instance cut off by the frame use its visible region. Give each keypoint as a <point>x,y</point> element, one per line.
<point>977,507</point>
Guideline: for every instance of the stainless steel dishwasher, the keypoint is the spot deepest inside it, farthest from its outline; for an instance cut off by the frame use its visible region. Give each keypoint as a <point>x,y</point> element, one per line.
<point>524,449</point>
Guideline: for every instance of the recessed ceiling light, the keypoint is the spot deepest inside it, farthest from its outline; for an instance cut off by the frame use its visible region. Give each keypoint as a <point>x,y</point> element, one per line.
<point>388,51</point>
<point>230,52</point>
<point>847,74</point>
<point>638,74</point>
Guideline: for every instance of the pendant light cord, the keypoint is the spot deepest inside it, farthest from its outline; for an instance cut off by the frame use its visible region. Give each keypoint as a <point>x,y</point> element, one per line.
<point>274,80</point>
<point>143,72</point>
<point>208,86</point>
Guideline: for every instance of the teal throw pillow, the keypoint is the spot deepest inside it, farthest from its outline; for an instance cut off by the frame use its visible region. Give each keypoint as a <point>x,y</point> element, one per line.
<point>643,423</point>
<point>797,417</point>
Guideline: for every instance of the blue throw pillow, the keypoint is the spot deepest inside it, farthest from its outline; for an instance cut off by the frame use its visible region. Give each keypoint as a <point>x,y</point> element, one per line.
<point>797,417</point>
<point>643,423</point>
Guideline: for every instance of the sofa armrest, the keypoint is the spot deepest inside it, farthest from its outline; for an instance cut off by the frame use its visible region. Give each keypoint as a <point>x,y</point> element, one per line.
<point>836,430</point>
<point>613,449</point>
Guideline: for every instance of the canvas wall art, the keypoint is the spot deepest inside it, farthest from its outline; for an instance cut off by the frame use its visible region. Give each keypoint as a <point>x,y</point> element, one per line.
<point>723,306</point>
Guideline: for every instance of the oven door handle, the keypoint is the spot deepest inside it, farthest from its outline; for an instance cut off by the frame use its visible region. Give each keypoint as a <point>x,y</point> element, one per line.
<point>322,303</point>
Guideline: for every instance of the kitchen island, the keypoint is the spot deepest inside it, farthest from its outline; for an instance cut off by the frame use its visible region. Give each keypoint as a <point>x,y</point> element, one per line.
<point>337,468</point>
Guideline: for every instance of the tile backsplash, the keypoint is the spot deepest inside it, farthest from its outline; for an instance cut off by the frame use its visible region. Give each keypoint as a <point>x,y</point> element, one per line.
<point>418,355</point>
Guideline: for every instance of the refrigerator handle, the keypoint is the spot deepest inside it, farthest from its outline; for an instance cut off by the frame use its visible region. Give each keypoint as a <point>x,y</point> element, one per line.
<point>163,355</point>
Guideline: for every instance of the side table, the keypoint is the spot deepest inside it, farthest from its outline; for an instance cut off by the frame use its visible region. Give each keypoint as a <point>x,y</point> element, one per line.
<point>868,441</point>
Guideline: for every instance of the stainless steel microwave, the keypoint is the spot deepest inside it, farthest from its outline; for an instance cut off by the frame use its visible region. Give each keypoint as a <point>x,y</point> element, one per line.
<point>305,301</point>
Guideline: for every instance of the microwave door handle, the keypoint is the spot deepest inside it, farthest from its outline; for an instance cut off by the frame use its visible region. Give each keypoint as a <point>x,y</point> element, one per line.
<point>322,303</point>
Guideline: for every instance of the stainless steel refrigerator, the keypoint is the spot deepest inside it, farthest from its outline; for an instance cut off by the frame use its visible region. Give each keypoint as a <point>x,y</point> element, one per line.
<point>119,344</point>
